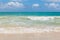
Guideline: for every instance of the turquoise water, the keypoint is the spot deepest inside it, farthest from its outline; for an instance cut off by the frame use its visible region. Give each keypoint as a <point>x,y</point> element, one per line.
<point>30,19</point>
<point>31,13</point>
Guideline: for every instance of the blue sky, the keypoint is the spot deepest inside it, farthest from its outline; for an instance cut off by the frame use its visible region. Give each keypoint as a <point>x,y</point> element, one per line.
<point>29,5</point>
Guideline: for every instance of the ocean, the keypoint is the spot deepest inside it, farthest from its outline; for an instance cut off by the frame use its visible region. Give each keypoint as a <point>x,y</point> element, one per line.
<point>29,21</point>
<point>29,25</point>
<point>30,13</point>
<point>33,19</point>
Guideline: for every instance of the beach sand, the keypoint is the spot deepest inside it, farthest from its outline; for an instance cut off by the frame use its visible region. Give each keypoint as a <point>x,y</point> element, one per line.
<point>52,35</point>
<point>31,36</point>
<point>9,30</point>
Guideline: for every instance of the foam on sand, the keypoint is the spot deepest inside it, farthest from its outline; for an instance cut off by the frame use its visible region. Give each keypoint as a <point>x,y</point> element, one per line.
<point>27,30</point>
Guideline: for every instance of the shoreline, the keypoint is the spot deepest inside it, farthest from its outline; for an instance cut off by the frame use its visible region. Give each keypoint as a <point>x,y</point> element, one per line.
<point>17,30</point>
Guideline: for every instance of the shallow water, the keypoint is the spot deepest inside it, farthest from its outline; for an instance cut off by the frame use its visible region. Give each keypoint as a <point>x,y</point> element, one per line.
<point>30,21</point>
<point>29,27</point>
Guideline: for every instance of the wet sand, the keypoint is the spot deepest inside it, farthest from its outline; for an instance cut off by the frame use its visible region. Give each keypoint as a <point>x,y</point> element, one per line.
<point>31,36</point>
<point>28,34</point>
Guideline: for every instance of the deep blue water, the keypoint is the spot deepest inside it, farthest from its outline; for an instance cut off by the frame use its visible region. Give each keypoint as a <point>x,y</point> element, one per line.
<point>30,13</point>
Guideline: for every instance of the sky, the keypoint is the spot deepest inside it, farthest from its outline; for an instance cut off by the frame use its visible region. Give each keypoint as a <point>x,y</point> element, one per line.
<point>29,5</point>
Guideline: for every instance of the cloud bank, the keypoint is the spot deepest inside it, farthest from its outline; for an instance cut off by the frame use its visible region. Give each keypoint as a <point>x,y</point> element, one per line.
<point>51,0</point>
<point>30,5</point>
<point>15,4</point>
<point>12,5</point>
<point>52,5</point>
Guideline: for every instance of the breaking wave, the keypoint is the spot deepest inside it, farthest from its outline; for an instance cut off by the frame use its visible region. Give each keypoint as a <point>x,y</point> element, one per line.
<point>29,24</point>
<point>31,21</point>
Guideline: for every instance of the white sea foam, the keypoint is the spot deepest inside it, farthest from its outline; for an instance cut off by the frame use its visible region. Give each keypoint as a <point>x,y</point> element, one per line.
<point>40,18</point>
<point>27,30</point>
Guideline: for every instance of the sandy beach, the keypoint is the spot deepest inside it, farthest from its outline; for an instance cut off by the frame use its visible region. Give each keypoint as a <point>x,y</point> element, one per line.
<point>31,36</point>
<point>27,34</point>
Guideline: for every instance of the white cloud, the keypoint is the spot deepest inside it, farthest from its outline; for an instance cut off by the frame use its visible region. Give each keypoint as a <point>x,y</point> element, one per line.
<point>12,5</point>
<point>16,0</point>
<point>35,5</point>
<point>20,0</point>
<point>15,4</point>
<point>51,0</point>
<point>52,5</point>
